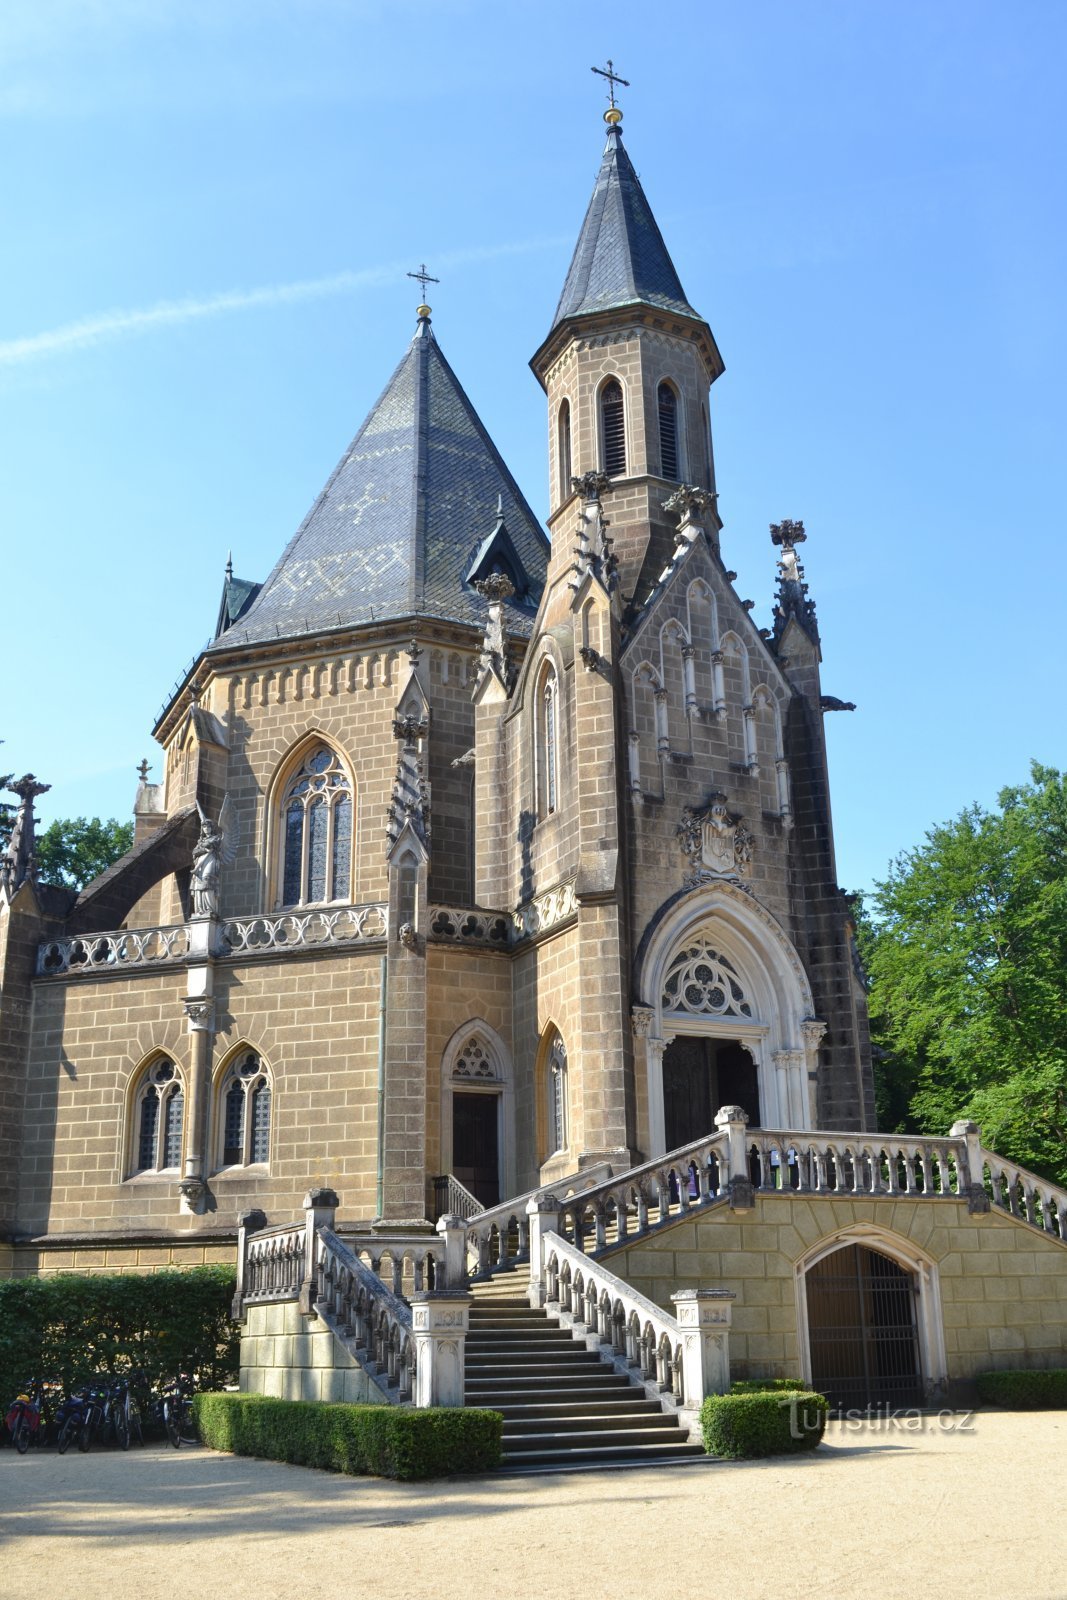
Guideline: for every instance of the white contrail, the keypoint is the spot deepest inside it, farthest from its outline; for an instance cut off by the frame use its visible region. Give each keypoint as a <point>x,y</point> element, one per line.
<point>89,332</point>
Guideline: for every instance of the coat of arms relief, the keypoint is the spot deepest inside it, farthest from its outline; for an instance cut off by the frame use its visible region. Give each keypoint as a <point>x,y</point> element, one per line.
<point>718,844</point>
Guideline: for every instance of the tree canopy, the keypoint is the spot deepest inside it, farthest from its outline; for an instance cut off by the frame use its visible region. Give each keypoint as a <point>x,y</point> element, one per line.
<point>74,850</point>
<point>966,950</point>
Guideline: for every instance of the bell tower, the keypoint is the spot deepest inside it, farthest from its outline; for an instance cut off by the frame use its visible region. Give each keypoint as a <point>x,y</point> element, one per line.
<point>627,366</point>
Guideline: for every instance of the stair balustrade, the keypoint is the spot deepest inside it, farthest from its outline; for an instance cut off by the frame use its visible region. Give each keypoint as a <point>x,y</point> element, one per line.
<point>372,1322</point>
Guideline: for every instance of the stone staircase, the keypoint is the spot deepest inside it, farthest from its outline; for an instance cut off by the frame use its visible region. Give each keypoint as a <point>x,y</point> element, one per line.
<point>561,1404</point>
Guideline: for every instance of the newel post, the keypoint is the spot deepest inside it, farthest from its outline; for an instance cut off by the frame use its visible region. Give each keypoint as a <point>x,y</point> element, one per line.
<point>704,1317</point>
<point>248,1223</point>
<point>733,1121</point>
<point>454,1275</point>
<point>320,1209</point>
<point>439,1324</point>
<point>970,1135</point>
<point>543,1211</point>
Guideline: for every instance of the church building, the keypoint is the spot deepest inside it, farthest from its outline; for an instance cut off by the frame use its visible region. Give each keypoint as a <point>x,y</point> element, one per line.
<point>484,855</point>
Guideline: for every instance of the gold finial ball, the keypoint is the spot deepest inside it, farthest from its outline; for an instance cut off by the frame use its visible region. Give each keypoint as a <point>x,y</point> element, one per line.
<point>613,117</point>
<point>422,311</point>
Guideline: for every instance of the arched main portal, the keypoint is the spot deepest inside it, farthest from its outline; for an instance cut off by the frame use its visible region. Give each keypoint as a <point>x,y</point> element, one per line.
<point>729,1019</point>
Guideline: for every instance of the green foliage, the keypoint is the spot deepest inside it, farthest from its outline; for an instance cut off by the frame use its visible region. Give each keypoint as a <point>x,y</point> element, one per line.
<point>72,1327</point>
<point>1024,1391</point>
<point>385,1441</point>
<point>74,850</point>
<point>766,1386</point>
<point>967,958</point>
<point>763,1424</point>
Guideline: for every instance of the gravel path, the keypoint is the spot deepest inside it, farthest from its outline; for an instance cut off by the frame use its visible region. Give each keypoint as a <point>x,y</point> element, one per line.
<point>974,1512</point>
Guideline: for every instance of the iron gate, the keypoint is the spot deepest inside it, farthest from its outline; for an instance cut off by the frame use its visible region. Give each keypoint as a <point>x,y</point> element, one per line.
<point>861,1331</point>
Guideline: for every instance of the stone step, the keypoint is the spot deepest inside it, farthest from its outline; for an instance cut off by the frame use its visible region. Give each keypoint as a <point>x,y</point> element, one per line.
<point>520,1411</point>
<point>504,1372</point>
<point>565,1452</point>
<point>548,1350</point>
<point>604,1422</point>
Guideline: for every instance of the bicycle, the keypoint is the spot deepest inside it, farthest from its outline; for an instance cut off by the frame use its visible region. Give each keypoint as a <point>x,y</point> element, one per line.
<point>78,1418</point>
<point>177,1414</point>
<point>24,1416</point>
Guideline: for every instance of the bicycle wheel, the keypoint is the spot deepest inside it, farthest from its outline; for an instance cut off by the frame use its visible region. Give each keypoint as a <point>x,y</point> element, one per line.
<point>136,1430</point>
<point>187,1424</point>
<point>85,1436</point>
<point>170,1422</point>
<point>67,1434</point>
<point>22,1435</point>
<point>122,1428</point>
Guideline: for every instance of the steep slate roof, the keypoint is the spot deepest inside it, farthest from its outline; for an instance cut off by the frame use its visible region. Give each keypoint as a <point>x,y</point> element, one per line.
<point>620,258</point>
<point>395,529</point>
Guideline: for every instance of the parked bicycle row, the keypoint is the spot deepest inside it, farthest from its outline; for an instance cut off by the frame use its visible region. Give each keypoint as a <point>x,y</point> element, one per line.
<point>108,1410</point>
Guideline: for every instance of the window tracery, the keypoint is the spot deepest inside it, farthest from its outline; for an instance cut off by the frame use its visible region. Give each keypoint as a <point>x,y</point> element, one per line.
<point>245,1105</point>
<point>704,982</point>
<point>317,831</point>
<point>159,1115</point>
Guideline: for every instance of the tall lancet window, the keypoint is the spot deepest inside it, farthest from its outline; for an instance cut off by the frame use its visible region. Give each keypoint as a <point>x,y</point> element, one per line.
<point>668,431</point>
<point>613,428</point>
<point>317,831</point>
<point>547,742</point>
<point>158,1117</point>
<point>563,450</point>
<point>558,1098</point>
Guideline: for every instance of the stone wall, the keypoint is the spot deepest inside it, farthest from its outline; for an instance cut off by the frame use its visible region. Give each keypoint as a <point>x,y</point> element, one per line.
<point>86,1255</point>
<point>292,1357</point>
<point>1003,1284</point>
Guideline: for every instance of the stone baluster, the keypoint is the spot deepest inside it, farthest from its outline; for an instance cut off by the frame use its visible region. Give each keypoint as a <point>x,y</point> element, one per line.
<point>453,1269</point>
<point>704,1317</point>
<point>732,1121</point>
<point>320,1210</point>
<point>248,1224</point>
<point>543,1211</point>
<point>970,1135</point>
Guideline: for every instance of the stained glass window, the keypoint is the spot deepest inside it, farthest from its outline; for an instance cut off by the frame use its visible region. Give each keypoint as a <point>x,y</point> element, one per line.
<point>159,1116</point>
<point>245,1102</point>
<point>316,851</point>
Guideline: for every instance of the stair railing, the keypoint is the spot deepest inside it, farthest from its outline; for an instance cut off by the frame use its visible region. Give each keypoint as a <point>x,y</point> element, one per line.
<point>678,1360</point>
<point>374,1324</point>
<point>498,1237</point>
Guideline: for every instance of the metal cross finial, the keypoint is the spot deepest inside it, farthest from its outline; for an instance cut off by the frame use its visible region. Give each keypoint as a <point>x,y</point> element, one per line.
<point>143,770</point>
<point>613,78</point>
<point>423,277</point>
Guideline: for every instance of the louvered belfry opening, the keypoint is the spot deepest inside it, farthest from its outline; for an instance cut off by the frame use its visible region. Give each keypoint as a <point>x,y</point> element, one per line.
<point>613,427</point>
<point>668,431</point>
<point>862,1331</point>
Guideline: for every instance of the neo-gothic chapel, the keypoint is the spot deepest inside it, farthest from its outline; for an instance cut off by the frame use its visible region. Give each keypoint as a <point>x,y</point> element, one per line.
<point>487,858</point>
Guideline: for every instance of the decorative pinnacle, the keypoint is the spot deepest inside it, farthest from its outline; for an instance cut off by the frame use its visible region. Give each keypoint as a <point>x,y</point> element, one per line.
<point>143,770</point>
<point>422,277</point>
<point>613,116</point>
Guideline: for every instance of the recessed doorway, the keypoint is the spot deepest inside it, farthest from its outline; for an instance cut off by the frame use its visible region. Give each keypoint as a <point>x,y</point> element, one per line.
<point>476,1144</point>
<point>862,1331</point>
<point>699,1076</point>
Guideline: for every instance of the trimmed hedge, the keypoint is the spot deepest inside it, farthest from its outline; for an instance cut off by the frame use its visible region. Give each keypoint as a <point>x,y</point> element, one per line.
<point>766,1386</point>
<point>1024,1391</point>
<point>740,1426</point>
<point>73,1327</point>
<point>385,1441</point>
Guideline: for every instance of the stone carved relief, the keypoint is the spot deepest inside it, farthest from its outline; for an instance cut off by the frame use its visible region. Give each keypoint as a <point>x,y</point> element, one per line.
<point>719,845</point>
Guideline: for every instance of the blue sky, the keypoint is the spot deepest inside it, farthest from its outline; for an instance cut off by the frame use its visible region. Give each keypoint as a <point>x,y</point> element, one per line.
<point>210,211</point>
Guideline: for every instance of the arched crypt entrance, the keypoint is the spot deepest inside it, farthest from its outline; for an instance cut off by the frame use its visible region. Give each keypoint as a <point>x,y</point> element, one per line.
<point>729,1019</point>
<point>869,1320</point>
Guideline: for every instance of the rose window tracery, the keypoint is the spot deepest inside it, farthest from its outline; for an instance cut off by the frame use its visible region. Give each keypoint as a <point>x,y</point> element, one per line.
<point>703,982</point>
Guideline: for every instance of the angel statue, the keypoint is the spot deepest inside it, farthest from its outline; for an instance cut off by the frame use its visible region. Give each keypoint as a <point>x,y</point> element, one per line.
<point>216,848</point>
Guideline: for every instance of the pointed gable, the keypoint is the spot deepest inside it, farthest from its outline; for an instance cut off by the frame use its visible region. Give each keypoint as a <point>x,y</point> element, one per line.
<point>393,532</point>
<point>620,258</point>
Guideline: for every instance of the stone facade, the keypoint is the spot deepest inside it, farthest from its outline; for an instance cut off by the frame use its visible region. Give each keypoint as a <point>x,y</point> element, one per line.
<point>552,798</point>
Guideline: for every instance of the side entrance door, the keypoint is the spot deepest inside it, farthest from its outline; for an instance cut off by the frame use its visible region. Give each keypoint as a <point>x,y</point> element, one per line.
<point>476,1145</point>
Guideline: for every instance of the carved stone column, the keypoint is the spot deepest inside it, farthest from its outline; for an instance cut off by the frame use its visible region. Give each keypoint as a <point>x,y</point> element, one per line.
<point>199,1008</point>
<point>789,1076</point>
<point>657,1125</point>
<point>971,1135</point>
<point>814,1030</point>
<point>733,1120</point>
<point>704,1316</point>
<point>543,1212</point>
<point>439,1324</point>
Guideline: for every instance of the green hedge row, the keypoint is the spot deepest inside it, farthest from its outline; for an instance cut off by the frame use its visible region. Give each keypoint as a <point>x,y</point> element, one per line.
<point>768,1424</point>
<point>1024,1391</point>
<point>766,1385</point>
<point>386,1441</point>
<point>73,1326</point>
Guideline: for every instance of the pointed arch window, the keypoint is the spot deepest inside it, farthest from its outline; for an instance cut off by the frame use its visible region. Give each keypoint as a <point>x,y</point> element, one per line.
<point>158,1119</point>
<point>317,831</point>
<point>613,428</point>
<point>245,1104</point>
<point>563,449</point>
<point>547,743</point>
<point>667,403</point>
<point>558,1097</point>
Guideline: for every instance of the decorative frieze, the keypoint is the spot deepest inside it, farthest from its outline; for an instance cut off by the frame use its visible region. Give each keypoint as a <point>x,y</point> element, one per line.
<point>460,926</point>
<point>299,930</point>
<point>98,953</point>
<point>545,911</point>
